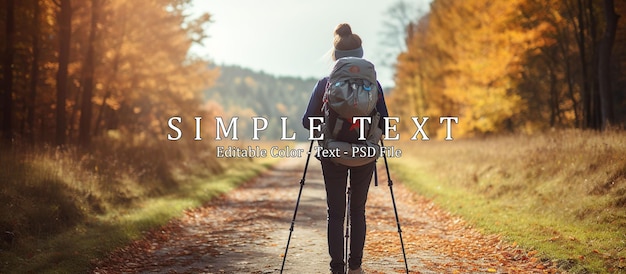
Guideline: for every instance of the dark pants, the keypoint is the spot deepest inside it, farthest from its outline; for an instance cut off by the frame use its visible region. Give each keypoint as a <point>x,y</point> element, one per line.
<point>335,179</point>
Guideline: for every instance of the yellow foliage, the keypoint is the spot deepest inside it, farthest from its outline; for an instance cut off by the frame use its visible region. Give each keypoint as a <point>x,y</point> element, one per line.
<point>464,59</point>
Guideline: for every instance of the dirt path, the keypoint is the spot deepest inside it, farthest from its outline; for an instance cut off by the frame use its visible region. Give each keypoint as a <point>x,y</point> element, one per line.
<point>246,232</point>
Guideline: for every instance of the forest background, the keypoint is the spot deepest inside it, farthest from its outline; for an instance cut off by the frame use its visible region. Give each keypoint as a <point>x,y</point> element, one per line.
<point>87,88</point>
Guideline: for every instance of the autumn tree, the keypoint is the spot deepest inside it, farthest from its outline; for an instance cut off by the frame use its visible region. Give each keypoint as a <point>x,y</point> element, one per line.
<point>151,76</point>
<point>521,65</point>
<point>86,110</point>
<point>64,20</point>
<point>604,64</point>
<point>575,62</point>
<point>467,63</point>
<point>6,94</point>
<point>33,82</point>
<point>548,84</point>
<point>80,69</point>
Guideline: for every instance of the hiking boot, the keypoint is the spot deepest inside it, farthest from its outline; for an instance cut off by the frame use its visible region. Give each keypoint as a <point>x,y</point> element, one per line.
<point>356,271</point>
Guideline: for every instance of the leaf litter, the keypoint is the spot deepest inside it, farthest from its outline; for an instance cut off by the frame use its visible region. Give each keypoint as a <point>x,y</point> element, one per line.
<point>246,230</point>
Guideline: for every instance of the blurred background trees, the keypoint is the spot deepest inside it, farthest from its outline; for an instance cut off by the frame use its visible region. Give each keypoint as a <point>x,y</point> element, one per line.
<point>245,93</point>
<point>73,70</point>
<point>86,90</point>
<point>515,66</point>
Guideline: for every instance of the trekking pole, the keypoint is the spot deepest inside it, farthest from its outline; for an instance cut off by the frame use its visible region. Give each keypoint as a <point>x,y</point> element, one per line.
<point>347,242</point>
<point>375,174</point>
<point>295,212</point>
<point>395,209</point>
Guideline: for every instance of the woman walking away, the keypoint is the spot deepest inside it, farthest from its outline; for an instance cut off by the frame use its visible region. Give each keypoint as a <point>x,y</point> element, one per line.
<point>346,44</point>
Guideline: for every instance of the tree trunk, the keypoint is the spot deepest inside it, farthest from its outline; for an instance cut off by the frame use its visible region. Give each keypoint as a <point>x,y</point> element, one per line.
<point>554,99</point>
<point>84,131</point>
<point>108,83</point>
<point>34,75</point>
<point>604,64</point>
<point>64,19</point>
<point>6,96</point>
<point>593,79</point>
<point>586,92</point>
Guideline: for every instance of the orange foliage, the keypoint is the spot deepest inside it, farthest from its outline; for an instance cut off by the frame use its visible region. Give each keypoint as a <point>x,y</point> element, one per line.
<point>497,65</point>
<point>143,73</point>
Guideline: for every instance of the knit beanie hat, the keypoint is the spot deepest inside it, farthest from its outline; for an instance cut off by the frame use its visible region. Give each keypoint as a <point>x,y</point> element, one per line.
<point>346,43</point>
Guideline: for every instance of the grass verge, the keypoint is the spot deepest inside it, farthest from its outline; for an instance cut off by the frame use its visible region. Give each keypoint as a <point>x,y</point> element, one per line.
<point>63,212</point>
<point>561,193</point>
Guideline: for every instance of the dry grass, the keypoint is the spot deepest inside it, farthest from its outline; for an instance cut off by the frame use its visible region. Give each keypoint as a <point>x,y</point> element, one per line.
<point>46,190</point>
<point>562,192</point>
<point>58,206</point>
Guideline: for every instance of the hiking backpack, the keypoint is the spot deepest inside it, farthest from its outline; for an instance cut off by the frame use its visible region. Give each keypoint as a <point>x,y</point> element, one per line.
<point>351,91</point>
